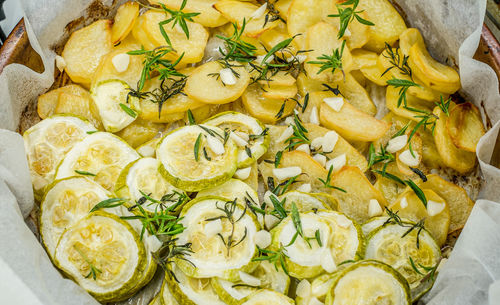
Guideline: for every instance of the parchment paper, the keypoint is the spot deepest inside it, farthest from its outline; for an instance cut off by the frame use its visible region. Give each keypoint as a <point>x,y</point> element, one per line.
<point>452,30</point>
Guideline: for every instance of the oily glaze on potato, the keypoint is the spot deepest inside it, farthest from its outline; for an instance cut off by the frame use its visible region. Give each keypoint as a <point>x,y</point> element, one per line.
<point>465,126</point>
<point>124,21</point>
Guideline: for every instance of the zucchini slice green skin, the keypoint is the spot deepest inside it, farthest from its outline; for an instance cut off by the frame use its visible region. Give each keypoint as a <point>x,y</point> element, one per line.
<point>257,146</point>
<point>266,296</point>
<point>183,160</point>
<point>366,282</point>
<point>212,256</point>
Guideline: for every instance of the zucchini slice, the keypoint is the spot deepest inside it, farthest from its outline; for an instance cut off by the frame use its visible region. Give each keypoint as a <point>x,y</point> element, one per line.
<point>221,233</point>
<point>46,144</point>
<point>190,291</point>
<point>305,202</point>
<point>232,189</point>
<point>405,252</point>
<point>197,157</point>
<point>100,156</point>
<point>142,177</point>
<point>373,223</point>
<point>255,136</point>
<point>368,282</point>
<point>65,203</point>
<point>266,296</point>
<point>103,254</point>
<point>165,296</point>
<point>117,108</point>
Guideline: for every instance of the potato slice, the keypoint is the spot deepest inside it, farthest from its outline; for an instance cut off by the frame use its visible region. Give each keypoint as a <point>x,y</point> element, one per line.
<point>265,109</point>
<point>431,72</point>
<point>139,132</point>
<point>465,126</point>
<point>307,85</point>
<point>208,16</point>
<point>282,6</point>
<point>125,18</point>
<point>82,106</point>
<point>351,123</point>
<point>416,145</point>
<point>303,14</point>
<point>363,58</point>
<point>408,38</point>
<point>374,74</point>
<point>107,70</point>
<point>237,11</point>
<point>430,154</point>
<point>205,85</point>
<point>280,92</point>
<point>415,211</point>
<point>388,23</point>
<point>274,36</point>
<point>281,78</point>
<point>358,34</point>
<point>192,47</point>
<point>84,50</point>
<point>389,188</point>
<point>321,39</point>
<point>359,191</point>
<point>460,205</point>
<point>140,35</point>
<point>392,97</point>
<point>47,102</point>
<point>460,160</point>
<point>355,94</point>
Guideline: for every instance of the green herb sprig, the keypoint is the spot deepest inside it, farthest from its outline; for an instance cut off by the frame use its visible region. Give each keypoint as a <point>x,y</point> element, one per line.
<point>93,269</point>
<point>176,17</point>
<point>333,62</point>
<point>347,15</point>
<point>327,182</point>
<point>275,257</point>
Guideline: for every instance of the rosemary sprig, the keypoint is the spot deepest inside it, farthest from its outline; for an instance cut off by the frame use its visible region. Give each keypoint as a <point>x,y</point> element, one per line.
<point>347,15</point>
<point>417,190</point>
<point>229,210</point>
<point>381,156</point>
<point>297,223</point>
<point>235,48</point>
<point>159,223</point>
<point>197,147</point>
<point>394,218</point>
<point>429,271</point>
<point>444,105</point>
<point>176,17</point>
<point>128,110</point>
<point>169,87</point>
<point>93,269</point>
<point>257,136</point>
<point>272,13</point>
<point>326,182</point>
<point>396,61</point>
<point>190,116</point>
<point>332,62</point>
<point>275,257</point>
<point>170,251</point>
<point>85,173</point>
<point>299,135</point>
<point>108,203</point>
<point>281,188</point>
<point>403,85</point>
<point>277,158</point>
<point>427,120</point>
<point>279,210</point>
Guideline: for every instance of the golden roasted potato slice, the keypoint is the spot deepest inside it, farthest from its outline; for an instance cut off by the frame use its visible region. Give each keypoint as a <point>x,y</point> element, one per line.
<point>237,11</point>
<point>465,126</point>
<point>208,16</point>
<point>409,206</point>
<point>281,78</point>
<point>139,132</point>
<point>193,47</point>
<point>388,23</point>
<point>374,74</point>
<point>460,160</point>
<point>358,33</point>
<point>392,99</point>
<point>363,58</point>
<point>431,72</point>
<point>82,106</point>
<point>430,154</point>
<point>460,205</point>
<point>349,122</point>
<point>359,191</point>
<point>408,38</point>
<point>321,39</point>
<point>307,85</point>
<point>355,94</point>
<point>47,102</point>
<point>265,109</point>
<point>274,36</point>
<point>389,188</point>
<point>282,6</point>
<point>124,21</point>
<point>206,85</point>
<point>84,50</point>
<point>140,35</point>
<point>303,14</point>
<point>280,92</point>
<point>107,69</point>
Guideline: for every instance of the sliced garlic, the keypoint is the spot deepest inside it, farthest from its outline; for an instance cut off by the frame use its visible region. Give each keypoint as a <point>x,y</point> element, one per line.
<point>343,221</point>
<point>260,59</point>
<point>327,261</point>
<point>317,143</point>
<point>315,301</point>
<point>243,173</point>
<point>242,156</point>
<point>314,117</point>
<point>215,145</point>
<point>321,159</point>
<point>330,139</point>
<point>304,148</point>
<point>263,239</point>
<point>271,221</point>
<point>347,33</point>
<point>286,172</point>
<point>306,188</point>
<point>60,63</point>
<point>407,158</point>
<point>239,141</point>
<point>249,279</point>
<point>434,208</point>
<point>213,227</point>
<point>287,133</point>
<point>259,12</point>
<point>303,289</point>
<point>335,103</point>
<point>374,208</point>
<point>337,163</point>
<point>227,76</point>
<point>121,62</point>
<point>397,143</point>
<point>403,203</point>
<point>146,151</point>
<point>242,135</point>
